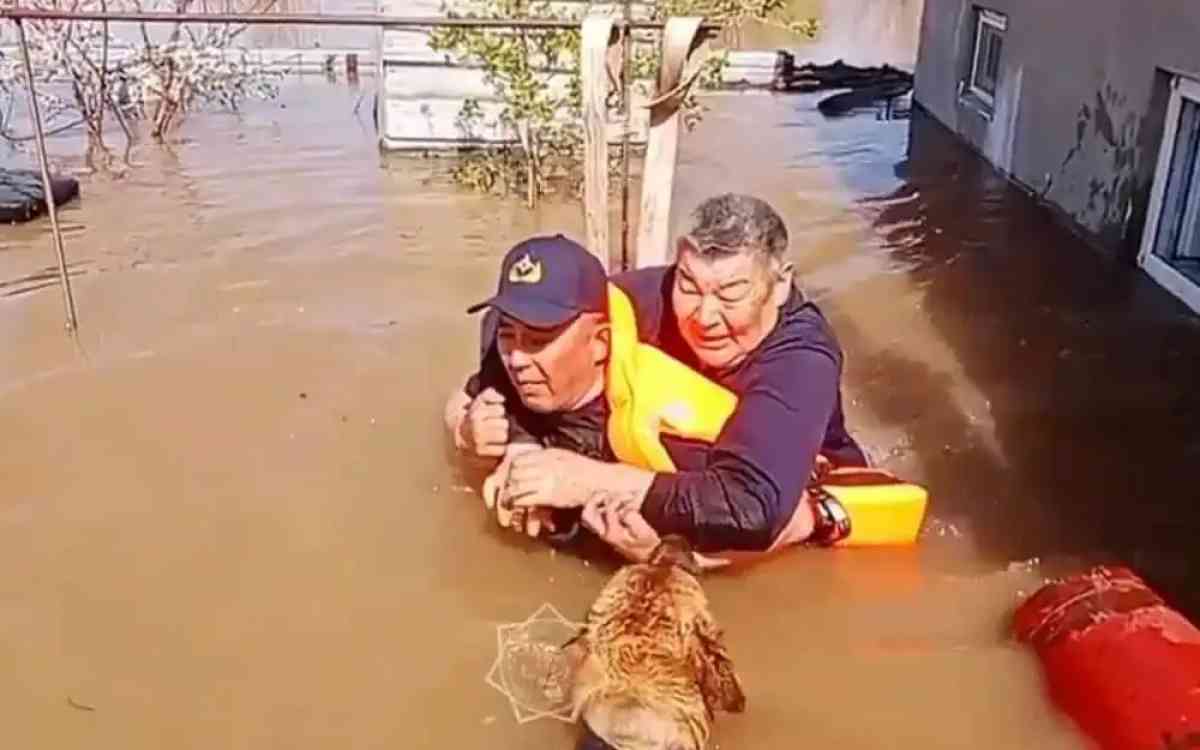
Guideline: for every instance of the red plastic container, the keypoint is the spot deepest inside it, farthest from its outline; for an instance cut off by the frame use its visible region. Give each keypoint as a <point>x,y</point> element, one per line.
<point>1117,659</point>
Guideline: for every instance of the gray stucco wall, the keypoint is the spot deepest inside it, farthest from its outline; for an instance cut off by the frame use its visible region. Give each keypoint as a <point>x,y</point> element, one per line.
<point>1080,102</point>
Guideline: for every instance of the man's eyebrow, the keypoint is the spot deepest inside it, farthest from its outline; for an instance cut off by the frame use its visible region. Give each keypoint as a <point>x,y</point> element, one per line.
<point>506,323</point>
<point>724,285</point>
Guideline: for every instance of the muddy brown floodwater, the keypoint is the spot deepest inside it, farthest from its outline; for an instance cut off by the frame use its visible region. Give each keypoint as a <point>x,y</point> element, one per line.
<point>227,519</point>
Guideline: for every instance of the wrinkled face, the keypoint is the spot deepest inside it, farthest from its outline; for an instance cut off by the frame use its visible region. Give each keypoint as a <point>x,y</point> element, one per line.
<point>726,304</point>
<point>554,369</point>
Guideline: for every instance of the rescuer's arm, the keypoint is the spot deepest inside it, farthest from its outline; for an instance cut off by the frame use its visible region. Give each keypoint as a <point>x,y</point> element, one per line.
<point>760,464</point>
<point>754,478</point>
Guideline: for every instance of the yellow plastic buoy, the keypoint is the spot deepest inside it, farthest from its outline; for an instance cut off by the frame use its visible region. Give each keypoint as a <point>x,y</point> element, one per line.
<point>884,510</point>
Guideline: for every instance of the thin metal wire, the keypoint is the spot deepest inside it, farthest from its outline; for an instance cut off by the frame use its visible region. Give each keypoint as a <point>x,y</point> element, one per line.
<point>47,186</point>
<point>314,19</point>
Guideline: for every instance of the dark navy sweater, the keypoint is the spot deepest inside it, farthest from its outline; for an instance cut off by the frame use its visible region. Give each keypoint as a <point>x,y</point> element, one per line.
<point>739,492</point>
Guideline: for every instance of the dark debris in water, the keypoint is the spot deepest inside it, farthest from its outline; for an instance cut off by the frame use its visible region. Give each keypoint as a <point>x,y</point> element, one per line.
<point>23,198</point>
<point>79,706</point>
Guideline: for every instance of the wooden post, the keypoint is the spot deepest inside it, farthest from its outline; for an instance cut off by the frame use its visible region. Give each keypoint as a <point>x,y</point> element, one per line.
<point>658,174</point>
<point>597,34</point>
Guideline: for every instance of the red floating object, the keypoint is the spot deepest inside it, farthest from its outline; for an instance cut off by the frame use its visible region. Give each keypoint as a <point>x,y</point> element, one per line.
<point>1117,659</point>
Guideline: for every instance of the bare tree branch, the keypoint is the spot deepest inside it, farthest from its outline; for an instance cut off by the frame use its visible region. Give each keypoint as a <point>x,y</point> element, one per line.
<point>196,65</point>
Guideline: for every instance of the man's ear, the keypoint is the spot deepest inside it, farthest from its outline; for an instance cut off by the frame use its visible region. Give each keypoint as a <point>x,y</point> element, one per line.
<point>782,283</point>
<point>601,342</point>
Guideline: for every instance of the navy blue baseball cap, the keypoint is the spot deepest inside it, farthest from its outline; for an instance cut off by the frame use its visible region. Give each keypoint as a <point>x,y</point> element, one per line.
<point>546,282</point>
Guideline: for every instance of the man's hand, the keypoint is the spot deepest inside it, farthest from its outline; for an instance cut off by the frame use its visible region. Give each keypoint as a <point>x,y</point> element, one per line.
<point>620,524</point>
<point>822,466</point>
<point>483,429</point>
<point>529,521</point>
<point>552,477</point>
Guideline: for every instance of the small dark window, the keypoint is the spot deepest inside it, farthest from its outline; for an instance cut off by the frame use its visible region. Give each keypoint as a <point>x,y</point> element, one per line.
<point>985,60</point>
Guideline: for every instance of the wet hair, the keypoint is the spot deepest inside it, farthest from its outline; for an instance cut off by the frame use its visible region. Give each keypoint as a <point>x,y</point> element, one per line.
<point>733,223</point>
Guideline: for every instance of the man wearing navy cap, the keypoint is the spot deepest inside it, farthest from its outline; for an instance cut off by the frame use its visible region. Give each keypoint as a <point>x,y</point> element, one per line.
<point>544,351</point>
<point>544,348</point>
<point>551,332</point>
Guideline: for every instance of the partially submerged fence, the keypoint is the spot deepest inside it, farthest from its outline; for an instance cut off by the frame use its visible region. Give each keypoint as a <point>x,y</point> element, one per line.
<point>426,93</point>
<point>288,60</point>
<point>605,60</point>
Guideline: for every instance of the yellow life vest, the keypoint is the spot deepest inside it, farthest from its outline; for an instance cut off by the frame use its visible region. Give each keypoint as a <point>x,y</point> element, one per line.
<point>650,393</point>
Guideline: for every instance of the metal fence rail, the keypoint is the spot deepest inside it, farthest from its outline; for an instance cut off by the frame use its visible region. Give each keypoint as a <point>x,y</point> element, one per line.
<point>315,19</point>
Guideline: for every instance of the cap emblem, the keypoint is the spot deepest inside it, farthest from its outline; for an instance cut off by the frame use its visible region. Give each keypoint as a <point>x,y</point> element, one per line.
<point>525,271</point>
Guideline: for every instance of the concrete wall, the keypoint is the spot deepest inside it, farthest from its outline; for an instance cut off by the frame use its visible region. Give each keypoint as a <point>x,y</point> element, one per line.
<point>1080,103</point>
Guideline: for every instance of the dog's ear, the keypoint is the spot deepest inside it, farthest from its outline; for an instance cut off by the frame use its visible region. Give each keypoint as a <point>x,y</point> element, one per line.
<point>576,649</point>
<point>719,683</point>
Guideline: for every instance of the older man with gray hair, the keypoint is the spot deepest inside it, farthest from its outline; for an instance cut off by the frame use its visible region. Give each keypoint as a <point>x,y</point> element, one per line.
<point>729,308</point>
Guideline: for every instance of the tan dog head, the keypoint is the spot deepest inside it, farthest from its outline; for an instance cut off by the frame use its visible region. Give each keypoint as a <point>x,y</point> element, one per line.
<point>649,667</point>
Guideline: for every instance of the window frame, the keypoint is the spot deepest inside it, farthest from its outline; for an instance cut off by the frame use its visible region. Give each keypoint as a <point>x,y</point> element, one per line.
<point>1161,270</point>
<point>998,24</point>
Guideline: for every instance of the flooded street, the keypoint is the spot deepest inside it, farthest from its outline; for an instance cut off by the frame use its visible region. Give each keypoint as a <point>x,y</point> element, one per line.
<point>228,518</point>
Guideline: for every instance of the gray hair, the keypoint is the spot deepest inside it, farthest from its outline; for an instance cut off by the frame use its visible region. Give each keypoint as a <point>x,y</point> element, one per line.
<point>735,223</point>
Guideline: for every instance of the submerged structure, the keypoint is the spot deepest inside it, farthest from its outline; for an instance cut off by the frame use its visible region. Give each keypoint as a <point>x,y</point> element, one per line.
<point>1096,114</point>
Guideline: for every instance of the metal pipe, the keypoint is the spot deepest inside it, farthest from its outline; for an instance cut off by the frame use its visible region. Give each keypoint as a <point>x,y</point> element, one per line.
<point>627,105</point>
<point>313,19</point>
<point>47,187</point>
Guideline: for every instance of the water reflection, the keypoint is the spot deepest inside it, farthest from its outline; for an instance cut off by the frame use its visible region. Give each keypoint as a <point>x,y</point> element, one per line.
<point>1043,391</point>
<point>1089,369</point>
